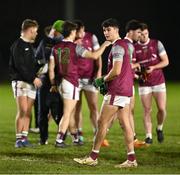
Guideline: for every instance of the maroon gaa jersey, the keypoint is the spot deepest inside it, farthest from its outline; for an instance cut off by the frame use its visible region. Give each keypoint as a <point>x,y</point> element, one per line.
<point>121,85</point>
<point>148,55</point>
<point>86,67</point>
<point>66,60</point>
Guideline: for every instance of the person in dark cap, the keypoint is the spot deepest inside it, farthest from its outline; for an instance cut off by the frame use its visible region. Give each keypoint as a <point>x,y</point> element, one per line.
<point>46,100</point>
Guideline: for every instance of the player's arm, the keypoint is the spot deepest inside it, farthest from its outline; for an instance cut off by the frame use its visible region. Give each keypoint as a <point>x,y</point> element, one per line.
<point>100,83</point>
<point>51,70</point>
<point>118,54</point>
<point>164,59</point>
<point>114,72</point>
<point>39,53</point>
<point>97,53</point>
<point>135,66</point>
<point>98,62</point>
<point>52,74</point>
<point>99,67</point>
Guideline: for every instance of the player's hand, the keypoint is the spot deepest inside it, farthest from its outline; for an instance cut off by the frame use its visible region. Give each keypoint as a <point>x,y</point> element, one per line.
<point>149,69</point>
<point>107,43</point>
<point>54,88</point>
<point>136,66</point>
<point>37,82</point>
<point>98,82</point>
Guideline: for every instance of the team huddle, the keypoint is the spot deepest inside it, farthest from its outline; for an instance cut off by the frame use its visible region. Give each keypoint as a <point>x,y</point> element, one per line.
<point>67,63</point>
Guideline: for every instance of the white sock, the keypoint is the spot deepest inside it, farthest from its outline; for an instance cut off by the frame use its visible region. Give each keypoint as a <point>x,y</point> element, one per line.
<point>25,133</point>
<point>131,152</point>
<point>149,135</point>
<point>160,127</point>
<point>95,151</point>
<point>79,129</point>
<point>18,136</point>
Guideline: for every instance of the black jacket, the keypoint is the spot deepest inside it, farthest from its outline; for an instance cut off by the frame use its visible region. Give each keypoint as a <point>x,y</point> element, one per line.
<point>22,64</point>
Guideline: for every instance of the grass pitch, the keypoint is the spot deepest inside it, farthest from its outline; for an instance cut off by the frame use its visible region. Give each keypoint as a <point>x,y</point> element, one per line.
<point>157,159</point>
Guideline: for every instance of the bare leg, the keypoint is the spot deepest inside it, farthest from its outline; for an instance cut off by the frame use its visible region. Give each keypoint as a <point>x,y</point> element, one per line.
<point>27,118</point>
<point>160,98</point>
<point>131,116</point>
<point>24,106</point>
<point>69,106</point>
<point>123,115</point>
<point>147,105</point>
<point>78,112</point>
<point>107,113</point>
<point>92,100</point>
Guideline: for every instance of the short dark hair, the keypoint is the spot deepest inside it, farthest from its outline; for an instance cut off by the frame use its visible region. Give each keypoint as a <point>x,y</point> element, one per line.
<point>111,22</point>
<point>47,30</point>
<point>144,26</point>
<point>132,25</point>
<point>67,27</point>
<point>79,24</point>
<point>27,23</point>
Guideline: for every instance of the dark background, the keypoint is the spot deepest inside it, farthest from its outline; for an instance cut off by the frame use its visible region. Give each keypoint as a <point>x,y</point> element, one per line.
<point>161,16</point>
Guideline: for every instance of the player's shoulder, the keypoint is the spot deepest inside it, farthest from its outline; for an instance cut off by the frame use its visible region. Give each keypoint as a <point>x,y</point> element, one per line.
<point>88,33</point>
<point>154,41</point>
<point>18,44</point>
<point>122,43</point>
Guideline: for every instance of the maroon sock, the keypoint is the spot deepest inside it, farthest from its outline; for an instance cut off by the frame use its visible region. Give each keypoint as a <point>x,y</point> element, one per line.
<point>94,155</point>
<point>60,135</point>
<point>131,157</point>
<point>64,137</point>
<point>74,135</point>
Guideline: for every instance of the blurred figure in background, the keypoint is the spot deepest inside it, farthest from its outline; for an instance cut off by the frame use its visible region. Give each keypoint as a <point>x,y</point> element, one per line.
<point>133,33</point>
<point>23,72</point>
<point>52,37</point>
<point>88,70</point>
<point>152,56</point>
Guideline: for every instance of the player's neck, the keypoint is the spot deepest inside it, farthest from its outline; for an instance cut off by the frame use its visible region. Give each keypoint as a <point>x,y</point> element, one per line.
<point>25,38</point>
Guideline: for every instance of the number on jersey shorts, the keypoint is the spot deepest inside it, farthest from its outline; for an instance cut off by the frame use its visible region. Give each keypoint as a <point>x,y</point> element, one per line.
<point>21,88</point>
<point>116,100</point>
<point>149,89</point>
<point>86,84</point>
<point>68,90</point>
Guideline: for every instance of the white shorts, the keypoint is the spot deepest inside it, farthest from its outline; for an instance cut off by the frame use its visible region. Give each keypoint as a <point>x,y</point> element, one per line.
<point>68,90</point>
<point>21,88</point>
<point>149,89</point>
<point>116,100</point>
<point>86,84</point>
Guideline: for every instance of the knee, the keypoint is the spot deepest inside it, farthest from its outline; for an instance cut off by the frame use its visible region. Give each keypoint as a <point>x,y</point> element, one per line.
<point>102,125</point>
<point>162,111</point>
<point>22,112</point>
<point>147,111</point>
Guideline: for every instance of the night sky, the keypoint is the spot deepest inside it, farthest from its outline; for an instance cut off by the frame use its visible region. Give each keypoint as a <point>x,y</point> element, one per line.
<point>161,16</point>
